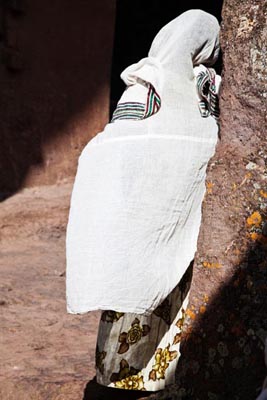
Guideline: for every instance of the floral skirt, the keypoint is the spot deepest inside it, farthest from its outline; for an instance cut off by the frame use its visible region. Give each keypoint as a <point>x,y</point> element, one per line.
<point>141,352</point>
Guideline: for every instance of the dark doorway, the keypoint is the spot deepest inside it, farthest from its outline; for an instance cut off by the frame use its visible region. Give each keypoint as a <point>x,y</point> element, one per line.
<point>136,25</point>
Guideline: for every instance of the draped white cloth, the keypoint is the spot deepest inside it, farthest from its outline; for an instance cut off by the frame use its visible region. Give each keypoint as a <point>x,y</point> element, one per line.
<point>136,202</point>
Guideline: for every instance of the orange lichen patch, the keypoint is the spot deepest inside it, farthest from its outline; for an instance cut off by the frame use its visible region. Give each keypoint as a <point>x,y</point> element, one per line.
<point>258,237</point>
<point>205,298</point>
<point>263,194</point>
<point>209,186</point>
<point>234,186</point>
<point>254,219</point>
<point>255,236</point>
<point>202,309</point>
<point>190,314</point>
<point>211,265</point>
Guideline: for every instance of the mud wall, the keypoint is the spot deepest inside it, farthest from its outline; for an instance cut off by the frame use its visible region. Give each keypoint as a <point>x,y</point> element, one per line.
<point>54,77</point>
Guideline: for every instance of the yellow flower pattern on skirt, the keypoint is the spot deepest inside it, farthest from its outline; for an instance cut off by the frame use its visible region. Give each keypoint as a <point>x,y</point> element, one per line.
<point>137,352</point>
<point>135,333</point>
<point>162,359</point>
<point>133,382</point>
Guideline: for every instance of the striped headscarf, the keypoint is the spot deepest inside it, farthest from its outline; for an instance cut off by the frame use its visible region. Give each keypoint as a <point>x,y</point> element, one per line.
<point>138,110</point>
<point>207,85</point>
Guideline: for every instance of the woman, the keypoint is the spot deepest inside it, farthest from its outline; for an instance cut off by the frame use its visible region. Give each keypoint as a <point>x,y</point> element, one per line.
<point>136,206</point>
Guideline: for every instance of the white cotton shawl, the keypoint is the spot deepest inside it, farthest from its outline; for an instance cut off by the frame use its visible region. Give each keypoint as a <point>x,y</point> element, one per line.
<point>136,202</point>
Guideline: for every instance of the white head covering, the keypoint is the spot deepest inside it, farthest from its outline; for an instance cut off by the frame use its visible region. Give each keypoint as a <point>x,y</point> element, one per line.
<point>189,40</point>
<point>136,202</point>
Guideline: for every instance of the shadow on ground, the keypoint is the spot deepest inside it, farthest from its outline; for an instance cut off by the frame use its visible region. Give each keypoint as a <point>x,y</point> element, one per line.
<point>94,391</point>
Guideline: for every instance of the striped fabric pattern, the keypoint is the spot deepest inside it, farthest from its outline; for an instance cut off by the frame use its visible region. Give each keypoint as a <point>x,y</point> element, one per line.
<point>136,110</point>
<point>129,110</point>
<point>206,87</point>
<point>153,102</point>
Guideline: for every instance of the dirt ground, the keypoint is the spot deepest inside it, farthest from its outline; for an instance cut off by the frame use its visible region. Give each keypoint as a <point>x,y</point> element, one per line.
<point>45,352</point>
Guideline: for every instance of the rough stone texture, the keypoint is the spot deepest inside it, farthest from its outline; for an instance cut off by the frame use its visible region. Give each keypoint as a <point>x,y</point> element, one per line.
<point>55,59</point>
<point>223,345</point>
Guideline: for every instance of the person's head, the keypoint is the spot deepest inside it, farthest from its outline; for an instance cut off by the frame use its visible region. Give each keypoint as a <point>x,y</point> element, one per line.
<point>187,41</point>
<point>192,37</point>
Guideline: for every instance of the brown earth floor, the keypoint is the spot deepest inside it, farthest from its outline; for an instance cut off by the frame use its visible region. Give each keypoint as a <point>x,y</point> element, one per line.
<point>45,352</point>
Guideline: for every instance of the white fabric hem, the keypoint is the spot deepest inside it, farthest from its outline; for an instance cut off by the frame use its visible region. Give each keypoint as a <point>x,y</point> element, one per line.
<point>86,308</point>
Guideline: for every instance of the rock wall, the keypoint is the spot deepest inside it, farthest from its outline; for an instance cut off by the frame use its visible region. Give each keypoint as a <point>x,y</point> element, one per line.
<point>223,344</point>
<point>54,76</point>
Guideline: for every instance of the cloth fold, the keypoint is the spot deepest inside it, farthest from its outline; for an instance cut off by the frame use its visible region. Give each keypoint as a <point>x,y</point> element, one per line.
<point>135,208</point>
<point>208,86</point>
<point>148,69</point>
<point>141,100</point>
